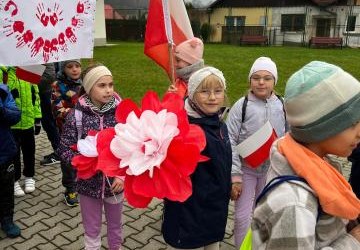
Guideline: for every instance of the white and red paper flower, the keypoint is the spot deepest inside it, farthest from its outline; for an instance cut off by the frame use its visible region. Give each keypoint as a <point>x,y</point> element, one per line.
<point>154,146</point>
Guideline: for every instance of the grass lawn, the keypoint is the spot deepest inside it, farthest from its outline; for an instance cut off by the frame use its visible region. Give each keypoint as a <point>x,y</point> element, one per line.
<point>134,73</point>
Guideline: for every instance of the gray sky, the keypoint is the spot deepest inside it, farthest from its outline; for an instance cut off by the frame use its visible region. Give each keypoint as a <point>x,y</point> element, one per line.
<point>200,3</point>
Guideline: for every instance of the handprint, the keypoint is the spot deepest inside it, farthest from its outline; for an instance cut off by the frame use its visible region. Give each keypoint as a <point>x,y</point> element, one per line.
<point>13,27</point>
<point>46,50</point>
<point>37,46</point>
<point>54,50</point>
<point>82,7</point>
<point>62,44</point>
<point>10,5</point>
<point>55,17</point>
<point>44,19</point>
<point>76,22</point>
<point>25,38</point>
<point>70,35</point>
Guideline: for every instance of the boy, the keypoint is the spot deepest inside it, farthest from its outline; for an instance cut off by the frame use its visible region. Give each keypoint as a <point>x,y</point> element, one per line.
<point>322,104</point>
<point>9,115</point>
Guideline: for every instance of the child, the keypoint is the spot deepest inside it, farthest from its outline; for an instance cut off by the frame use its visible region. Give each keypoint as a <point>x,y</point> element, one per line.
<point>246,117</point>
<point>9,115</point>
<point>200,221</point>
<point>66,91</point>
<point>98,112</point>
<point>27,99</point>
<point>322,104</point>
<point>47,120</point>
<point>188,59</point>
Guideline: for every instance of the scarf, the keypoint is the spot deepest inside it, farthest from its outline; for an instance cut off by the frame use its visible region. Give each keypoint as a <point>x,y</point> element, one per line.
<point>335,194</point>
<point>104,108</point>
<point>185,73</point>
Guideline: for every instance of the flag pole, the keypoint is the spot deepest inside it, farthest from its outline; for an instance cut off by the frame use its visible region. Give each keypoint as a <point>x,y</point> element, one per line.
<point>171,63</point>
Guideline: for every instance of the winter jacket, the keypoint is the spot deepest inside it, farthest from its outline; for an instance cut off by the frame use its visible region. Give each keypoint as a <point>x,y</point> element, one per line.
<point>47,78</point>
<point>91,120</point>
<point>258,112</point>
<point>26,97</point>
<point>65,94</point>
<point>201,219</point>
<point>9,115</point>
<point>289,217</point>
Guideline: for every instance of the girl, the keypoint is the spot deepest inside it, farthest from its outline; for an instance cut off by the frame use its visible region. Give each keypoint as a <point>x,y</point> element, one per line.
<point>98,112</point>
<point>246,117</point>
<point>65,94</point>
<point>322,104</point>
<point>188,59</point>
<point>199,222</point>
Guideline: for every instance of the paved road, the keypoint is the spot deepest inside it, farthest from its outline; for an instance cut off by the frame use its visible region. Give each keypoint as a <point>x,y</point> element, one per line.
<point>47,223</point>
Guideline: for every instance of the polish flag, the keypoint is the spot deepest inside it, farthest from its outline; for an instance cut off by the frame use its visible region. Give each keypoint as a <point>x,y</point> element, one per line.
<point>31,73</point>
<point>167,25</point>
<point>256,148</point>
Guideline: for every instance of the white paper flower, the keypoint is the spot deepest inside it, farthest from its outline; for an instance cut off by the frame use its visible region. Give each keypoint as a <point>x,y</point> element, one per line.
<point>87,146</point>
<point>142,143</point>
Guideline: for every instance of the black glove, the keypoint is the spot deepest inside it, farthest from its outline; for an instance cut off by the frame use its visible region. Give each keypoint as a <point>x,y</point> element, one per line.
<point>15,93</point>
<point>37,126</point>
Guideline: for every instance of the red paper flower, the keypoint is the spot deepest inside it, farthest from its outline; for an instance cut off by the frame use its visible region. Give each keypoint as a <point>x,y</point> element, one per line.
<point>157,147</point>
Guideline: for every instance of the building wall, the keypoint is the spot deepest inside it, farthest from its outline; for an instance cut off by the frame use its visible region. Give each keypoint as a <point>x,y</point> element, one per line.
<point>100,30</point>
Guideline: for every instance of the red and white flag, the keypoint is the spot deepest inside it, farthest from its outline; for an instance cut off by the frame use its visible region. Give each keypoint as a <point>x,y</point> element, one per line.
<point>31,73</point>
<point>167,25</point>
<point>256,148</point>
<point>39,31</point>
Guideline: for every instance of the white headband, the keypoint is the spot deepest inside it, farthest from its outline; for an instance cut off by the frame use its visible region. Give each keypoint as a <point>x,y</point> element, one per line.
<point>197,77</point>
<point>93,76</point>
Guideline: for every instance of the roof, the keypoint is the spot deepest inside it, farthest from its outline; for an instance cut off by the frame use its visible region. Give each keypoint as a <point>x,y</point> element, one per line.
<point>267,3</point>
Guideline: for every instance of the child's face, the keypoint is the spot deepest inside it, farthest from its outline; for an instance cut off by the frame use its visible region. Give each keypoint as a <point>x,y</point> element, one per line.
<point>73,70</point>
<point>262,84</point>
<point>341,144</point>
<point>210,96</point>
<point>102,91</point>
<point>179,63</point>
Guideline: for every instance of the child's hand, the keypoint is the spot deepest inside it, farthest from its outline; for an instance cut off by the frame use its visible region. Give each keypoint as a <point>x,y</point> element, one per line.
<point>118,185</point>
<point>236,190</point>
<point>172,88</point>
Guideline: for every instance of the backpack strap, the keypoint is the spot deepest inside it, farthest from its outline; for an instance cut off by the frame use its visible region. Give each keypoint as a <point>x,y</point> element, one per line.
<point>243,109</point>
<point>280,179</point>
<point>78,122</point>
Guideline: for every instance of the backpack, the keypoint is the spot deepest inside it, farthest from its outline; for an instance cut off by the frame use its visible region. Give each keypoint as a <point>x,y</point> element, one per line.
<point>247,242</point>
<point>244,106</point>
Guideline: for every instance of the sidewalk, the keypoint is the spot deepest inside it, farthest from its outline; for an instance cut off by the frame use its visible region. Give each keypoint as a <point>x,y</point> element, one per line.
<point>47,223</point>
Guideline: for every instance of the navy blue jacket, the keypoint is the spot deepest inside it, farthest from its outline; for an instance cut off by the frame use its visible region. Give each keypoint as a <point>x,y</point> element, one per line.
<point>9,115</point>
<point>201,219</point>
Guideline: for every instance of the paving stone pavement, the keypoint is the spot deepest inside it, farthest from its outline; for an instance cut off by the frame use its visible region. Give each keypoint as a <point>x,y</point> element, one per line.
<point>47,223</point>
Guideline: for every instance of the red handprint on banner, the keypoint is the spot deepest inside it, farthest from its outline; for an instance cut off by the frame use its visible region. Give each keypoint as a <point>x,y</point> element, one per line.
<point>41,15</point>
<point>76,22</point>
<point>13,27</point>
<point>70,35</point>
<point>83,7</point>
<point>54,48</point>
<point>46,50</point>
<point>25,38</point>
<point>37,46</point>
<point>8,6</point>
<point>56,16</point>
<point>62,42</point>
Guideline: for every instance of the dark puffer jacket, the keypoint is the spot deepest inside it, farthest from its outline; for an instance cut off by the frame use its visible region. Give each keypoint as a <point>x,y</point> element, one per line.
<point>91,120</point>
<point>201,220</point>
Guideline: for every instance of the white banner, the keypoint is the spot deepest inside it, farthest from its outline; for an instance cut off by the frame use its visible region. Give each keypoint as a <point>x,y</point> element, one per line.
<point>40,31</point>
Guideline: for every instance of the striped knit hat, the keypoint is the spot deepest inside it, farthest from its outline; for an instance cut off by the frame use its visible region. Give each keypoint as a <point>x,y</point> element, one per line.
<point>321,100</point>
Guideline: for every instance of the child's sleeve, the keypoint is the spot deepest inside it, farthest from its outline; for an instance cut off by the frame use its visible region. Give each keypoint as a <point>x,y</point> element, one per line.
<point>9,112</point>
<point>233,123</point>
<point>68,138</point>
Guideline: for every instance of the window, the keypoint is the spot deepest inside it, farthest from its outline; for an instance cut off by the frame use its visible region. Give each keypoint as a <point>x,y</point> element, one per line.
<point>293,22</point>
<point>351,23</point>
<point>234,20</point>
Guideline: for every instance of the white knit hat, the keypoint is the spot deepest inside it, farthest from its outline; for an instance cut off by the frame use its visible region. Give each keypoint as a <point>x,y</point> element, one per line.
<point>264,63</point>
<point>197,77</point>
